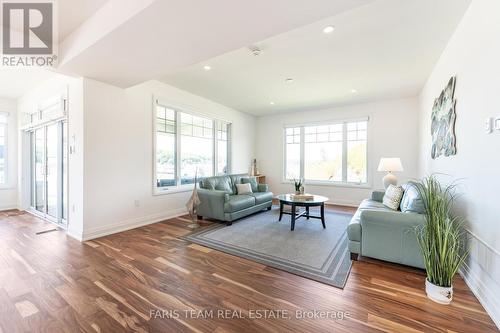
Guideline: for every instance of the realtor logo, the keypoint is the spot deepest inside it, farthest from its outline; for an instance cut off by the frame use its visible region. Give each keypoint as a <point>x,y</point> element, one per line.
<point>28,33</point>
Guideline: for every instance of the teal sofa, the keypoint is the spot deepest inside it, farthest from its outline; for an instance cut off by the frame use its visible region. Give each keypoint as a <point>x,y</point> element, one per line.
<point>379,232</point>
<point>220,200</point>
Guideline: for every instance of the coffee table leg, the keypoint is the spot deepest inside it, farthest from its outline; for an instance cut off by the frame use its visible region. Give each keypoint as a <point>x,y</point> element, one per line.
<point>293,217</point>
<point>323,215</point>
<point>307,212</point>
<point>281,210</point>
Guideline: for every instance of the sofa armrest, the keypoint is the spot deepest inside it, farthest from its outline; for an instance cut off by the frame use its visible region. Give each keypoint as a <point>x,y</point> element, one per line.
<point>394,219</point>
<point>212,203</point>
<point>262,188</point>
<point>391,236</point>
<point>378,195</point>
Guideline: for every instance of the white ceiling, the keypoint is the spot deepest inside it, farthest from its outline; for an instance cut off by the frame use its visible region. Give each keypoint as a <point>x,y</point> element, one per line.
<point>385,49</point>
<point>72,13</point>
<point>381,48</point>
<point>128,42</point>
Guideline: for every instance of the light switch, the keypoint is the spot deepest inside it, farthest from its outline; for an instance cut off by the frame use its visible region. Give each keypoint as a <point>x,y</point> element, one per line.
<point>488,125</point>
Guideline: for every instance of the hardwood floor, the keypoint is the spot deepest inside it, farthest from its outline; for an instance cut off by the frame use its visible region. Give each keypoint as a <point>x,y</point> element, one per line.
<point>132,280</point>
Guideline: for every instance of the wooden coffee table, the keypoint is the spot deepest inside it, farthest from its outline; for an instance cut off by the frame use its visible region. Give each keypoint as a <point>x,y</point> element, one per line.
<point>317,201</point>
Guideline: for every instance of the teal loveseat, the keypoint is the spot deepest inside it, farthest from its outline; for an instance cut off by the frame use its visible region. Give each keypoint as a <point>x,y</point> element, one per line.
<point>379,232</point>
<point>220,200</point>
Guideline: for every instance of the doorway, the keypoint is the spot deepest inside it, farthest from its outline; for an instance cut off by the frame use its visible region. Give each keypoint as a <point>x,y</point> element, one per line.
<point>49,188</point>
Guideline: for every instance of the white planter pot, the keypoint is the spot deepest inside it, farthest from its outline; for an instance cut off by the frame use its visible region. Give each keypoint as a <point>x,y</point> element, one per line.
<point>441,295</point>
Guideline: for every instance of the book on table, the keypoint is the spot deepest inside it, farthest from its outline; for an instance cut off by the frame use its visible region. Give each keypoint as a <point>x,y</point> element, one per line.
<point>302,197</point>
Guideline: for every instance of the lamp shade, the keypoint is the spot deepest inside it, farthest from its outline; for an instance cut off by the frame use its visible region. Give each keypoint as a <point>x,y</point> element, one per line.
<point>390,164</point>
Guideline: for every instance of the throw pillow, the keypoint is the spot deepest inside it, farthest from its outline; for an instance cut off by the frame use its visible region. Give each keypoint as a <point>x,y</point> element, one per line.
<point>221,183</point>
<point>393,196</point>
<point>207,183</point>
<point>253,182</point>
<point>244,188</point>
<point>411,201</point>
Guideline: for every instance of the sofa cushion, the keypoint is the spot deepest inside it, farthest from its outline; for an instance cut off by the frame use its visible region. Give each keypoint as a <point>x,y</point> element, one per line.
<point>262,197</point>
<point>378,195</point>
<point>262,188</point>
<point>236,179</point>
<point>220,183</point>
<point>238,202</point>
<point>354,227</point>
<point>392,197</point>
<point>372,205</point>
<point>411,201</point>
<point>252,181</point>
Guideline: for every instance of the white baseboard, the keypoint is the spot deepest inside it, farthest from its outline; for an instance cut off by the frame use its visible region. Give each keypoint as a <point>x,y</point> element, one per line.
<point>75,234</point>
<point>8,206</point>
<point>129,224</point>
<point>482,275</point>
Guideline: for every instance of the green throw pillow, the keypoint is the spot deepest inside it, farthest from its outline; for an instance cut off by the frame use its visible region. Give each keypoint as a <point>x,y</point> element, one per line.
<point>253,183</point>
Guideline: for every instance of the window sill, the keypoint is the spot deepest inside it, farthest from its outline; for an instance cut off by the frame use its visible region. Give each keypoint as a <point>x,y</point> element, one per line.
<point>7,187</point>
<point>365,186</point>
<point>166,191</point>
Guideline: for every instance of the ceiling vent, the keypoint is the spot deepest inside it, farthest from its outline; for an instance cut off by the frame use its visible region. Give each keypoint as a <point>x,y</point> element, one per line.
<point>256,51</point>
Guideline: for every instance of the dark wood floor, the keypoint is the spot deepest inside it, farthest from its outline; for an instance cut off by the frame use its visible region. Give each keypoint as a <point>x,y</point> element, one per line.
<point>52,283</point>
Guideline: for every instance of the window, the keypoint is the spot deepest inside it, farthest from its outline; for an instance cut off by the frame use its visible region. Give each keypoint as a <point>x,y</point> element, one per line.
<point>323,153</point>
<point>293,153</point>
<point>222,148</point>
<point>52,109</point>
<point>356,152</point>
<point>196,146</point>
<point>3,149</point>
<point>186,144</point>
<point>165,147</point>
<point>331,153</point>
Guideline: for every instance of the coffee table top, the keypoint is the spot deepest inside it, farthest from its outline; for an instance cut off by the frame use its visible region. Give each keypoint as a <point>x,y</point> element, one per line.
<point>289,198</point>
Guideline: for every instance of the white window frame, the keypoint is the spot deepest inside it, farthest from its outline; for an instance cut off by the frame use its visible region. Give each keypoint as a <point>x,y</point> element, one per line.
<point>344,182</point>
<point>216,146</point>
<point>44,112</point>
<point>5,125</point>
<point>187,110</point>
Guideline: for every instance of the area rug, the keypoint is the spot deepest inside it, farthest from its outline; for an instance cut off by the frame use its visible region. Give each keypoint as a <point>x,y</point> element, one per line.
<point>309,251</point>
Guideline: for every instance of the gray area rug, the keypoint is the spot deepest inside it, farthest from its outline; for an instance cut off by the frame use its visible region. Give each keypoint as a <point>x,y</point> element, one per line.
<point>309,251</point>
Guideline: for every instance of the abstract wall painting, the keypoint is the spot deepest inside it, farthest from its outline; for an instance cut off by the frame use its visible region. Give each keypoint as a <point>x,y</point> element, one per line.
<point>443,122</point>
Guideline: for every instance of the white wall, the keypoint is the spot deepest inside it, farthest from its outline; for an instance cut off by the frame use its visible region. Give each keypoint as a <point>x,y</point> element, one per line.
<point>473,55</point>
<point>8,192</point>
<point>29,102</point>
<point>392,132</point>
<point>119,153</point>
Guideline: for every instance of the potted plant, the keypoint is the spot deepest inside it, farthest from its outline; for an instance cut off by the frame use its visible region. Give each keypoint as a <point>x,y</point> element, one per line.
<point>441,239</point>
<point>298,185</point>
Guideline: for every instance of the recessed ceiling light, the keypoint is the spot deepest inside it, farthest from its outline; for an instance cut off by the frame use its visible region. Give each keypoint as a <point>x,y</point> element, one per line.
<point>272,103</point>
<point>207,68</point>
<point>329,29</point>
<point>289,80</point>
<point>353,91</point>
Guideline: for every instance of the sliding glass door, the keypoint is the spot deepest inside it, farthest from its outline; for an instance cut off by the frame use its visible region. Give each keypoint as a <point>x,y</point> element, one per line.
<point>52,169</point>
<point>38,188</point>
<point>49,170</point>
